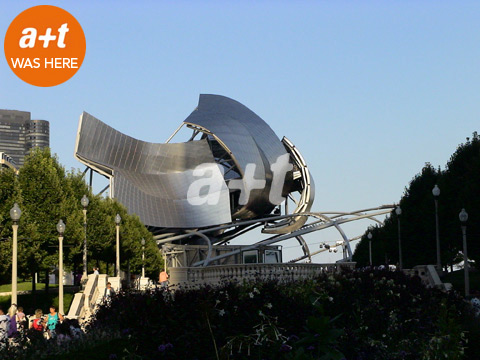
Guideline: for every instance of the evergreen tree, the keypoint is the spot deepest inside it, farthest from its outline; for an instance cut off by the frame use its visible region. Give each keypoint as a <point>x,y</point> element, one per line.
<point>460,188</point>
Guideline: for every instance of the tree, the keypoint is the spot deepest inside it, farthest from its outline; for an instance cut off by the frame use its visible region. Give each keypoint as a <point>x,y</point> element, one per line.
<point>103,234</point>
<point>47,193</point>
<point>417,225</point>
<point>460,188</point>
<point>9,194</point>
<point>43,196</point>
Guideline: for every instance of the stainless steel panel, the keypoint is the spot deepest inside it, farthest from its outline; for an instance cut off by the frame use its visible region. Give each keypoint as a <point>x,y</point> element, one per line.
<point>248,137</point>
<point>152,180</point>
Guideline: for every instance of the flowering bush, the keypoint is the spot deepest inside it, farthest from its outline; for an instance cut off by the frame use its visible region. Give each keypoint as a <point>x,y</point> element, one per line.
<point>358,315</point>
<point>33,345</point>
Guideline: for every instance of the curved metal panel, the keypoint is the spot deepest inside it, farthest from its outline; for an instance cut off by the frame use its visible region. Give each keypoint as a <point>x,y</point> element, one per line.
<point>305,184</point>
<point>152,180</point>
<point>250,141</point>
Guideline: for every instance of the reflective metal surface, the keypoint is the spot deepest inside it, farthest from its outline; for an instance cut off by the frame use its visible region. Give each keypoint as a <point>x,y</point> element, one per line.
<point>250,141</point>
<point>153,180</point>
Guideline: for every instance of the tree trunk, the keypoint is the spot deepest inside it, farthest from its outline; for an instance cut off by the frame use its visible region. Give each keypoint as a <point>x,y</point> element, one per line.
<point>34,284</point>
<point>34,290</point>
<point>47,282</point>
<point>107,270</point>
<point>75,269</point>
<point>128,272</point>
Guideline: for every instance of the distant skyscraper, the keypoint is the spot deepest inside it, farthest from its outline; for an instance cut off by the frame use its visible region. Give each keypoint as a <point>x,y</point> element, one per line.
<point>19,134</point>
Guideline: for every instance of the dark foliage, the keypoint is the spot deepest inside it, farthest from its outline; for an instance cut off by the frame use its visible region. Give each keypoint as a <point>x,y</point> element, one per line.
<point>459,185</point>
<point>369,314</point>
<point>364,315</point>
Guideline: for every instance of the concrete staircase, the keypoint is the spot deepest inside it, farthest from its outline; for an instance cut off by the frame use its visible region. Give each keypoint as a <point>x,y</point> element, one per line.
<point>429,276</point>
<point>85,302</point>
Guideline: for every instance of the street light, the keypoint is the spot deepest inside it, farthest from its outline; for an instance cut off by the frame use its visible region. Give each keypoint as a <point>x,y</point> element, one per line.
<point>85,203</point>
<point>15,214</point>
<point>118,219</point>
<point>436,194</point>
<point>463,216</point>
<point>143,258</point>
<point>369,235</point>
<point>398,211</point>
<point>61,230</point>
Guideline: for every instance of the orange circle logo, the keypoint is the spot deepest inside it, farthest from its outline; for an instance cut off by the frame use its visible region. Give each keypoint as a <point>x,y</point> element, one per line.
<point>45,45</point>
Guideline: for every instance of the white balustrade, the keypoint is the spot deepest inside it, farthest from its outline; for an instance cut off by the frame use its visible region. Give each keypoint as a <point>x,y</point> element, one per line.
<point>213,275</point>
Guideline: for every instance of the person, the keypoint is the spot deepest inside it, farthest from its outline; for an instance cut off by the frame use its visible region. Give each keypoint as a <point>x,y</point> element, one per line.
<point>95,271</point>
<point>109,292</point>
<point>62,332</point>
<point>38,323</point>
<point>4,326</point>
<point>36,331</point>
<point>12,314</point>
<point>163,278</point>
<point>75,329</point>
<point>52,320</point>
<point>21,319</point>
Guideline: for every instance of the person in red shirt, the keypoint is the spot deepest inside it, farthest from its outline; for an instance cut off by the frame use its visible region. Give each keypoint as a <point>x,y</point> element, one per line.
<point>38,323</point>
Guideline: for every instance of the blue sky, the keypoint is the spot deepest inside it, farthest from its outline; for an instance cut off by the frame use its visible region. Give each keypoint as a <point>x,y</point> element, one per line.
<point>368,91</point>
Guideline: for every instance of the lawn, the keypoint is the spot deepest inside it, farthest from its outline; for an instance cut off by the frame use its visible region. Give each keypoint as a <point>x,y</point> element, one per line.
<point>24,286</point>
<point>40,301</point>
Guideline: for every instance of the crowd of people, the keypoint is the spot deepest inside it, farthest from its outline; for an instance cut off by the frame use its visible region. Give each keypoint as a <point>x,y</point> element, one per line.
<point>15,325</point>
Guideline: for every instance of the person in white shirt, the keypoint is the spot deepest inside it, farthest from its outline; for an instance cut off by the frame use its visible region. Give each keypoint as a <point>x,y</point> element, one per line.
<point>4,326</point>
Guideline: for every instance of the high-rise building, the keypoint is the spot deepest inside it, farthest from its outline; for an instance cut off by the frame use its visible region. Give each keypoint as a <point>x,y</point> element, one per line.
<point>19,134</point>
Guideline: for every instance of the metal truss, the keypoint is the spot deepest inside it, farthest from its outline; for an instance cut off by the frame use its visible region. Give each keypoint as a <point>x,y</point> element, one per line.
<point>322,220</point>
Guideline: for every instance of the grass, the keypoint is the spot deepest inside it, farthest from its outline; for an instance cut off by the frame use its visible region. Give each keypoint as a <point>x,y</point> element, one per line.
<point>41,300</point>
<point>457,279</point>
<point>24,286</point>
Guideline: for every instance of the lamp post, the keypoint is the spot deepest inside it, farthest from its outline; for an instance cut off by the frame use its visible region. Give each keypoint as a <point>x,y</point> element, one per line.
<point>369,235</point>
<point>61,230</point>
<point>436,194</point>
<point>463,216</point>
<point>143,258</point>
<point>15,214</point>
<point>85,203</point>
<point>398,211</point>
<point>118,219</point>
